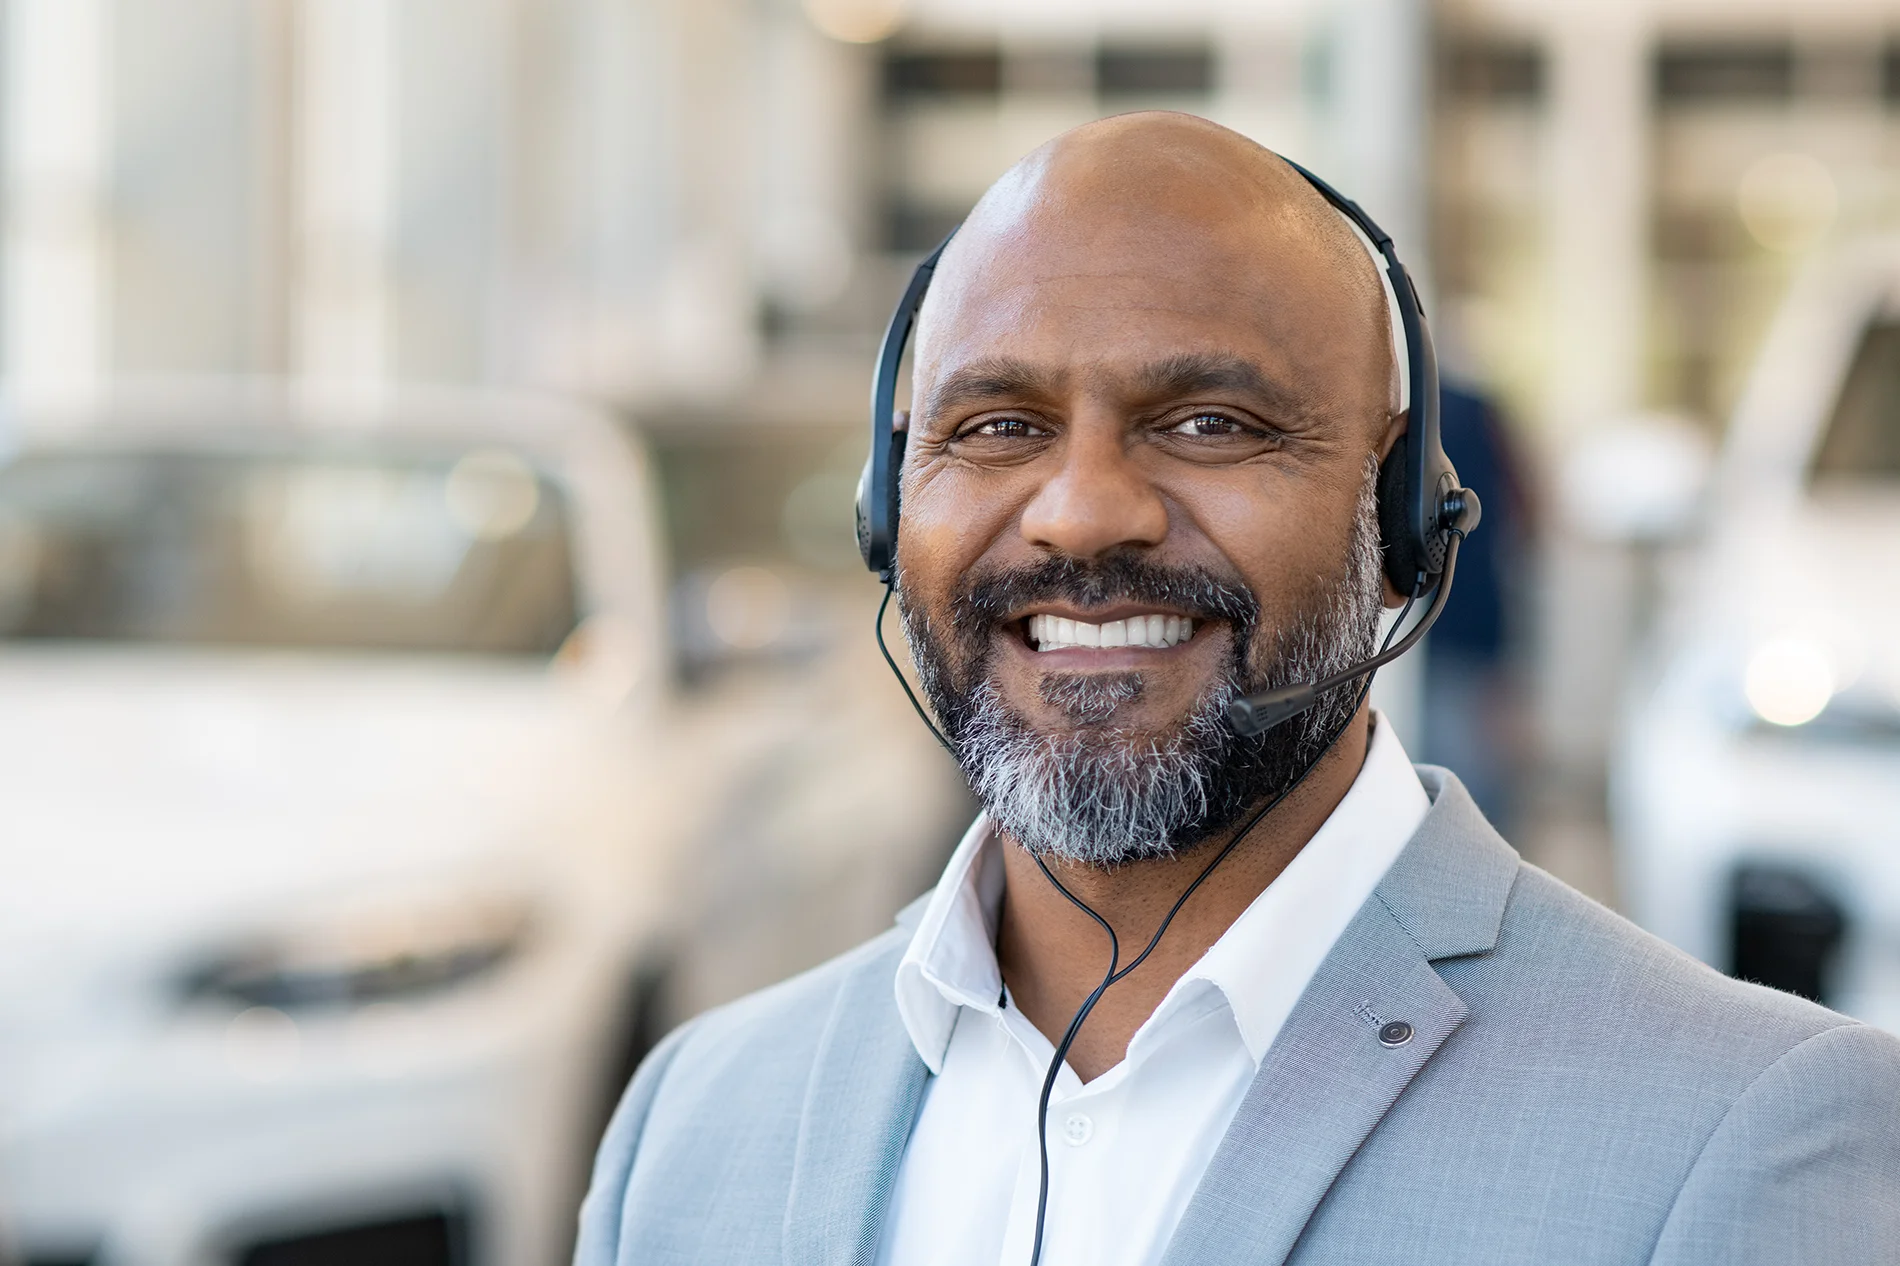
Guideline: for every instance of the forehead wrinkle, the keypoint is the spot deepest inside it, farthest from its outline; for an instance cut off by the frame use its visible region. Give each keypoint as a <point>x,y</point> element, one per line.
<point>1177,377</point>
<point>978,306</point>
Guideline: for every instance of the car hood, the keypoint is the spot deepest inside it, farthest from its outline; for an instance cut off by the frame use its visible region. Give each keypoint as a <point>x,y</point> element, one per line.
<point>146,795</point>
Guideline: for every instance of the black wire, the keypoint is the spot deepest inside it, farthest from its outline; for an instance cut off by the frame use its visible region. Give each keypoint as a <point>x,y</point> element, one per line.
<point>890,587</point>
<point>1114,945</point>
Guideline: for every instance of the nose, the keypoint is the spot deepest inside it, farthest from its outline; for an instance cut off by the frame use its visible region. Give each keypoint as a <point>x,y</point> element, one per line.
<point>1097,499</point>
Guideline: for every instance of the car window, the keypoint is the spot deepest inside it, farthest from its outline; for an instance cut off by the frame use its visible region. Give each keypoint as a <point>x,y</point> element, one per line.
<point>1862,440</point>
<point>461,553</point>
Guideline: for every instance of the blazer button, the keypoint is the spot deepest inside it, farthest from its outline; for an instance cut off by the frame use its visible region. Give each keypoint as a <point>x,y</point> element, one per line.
<point>1395,1033</point>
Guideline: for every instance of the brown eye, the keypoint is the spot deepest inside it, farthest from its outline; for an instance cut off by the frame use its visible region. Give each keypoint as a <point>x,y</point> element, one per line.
<point>1207,426</point>
<point>1006,429</point>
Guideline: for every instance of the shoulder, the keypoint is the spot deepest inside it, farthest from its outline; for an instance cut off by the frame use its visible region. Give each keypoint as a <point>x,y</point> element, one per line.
<point>704,1139</point>
<point>1559,976</point>
<point>777,1029</point>
<point>1804,1165</point>
<point>1585,1021</point>
<point>1644,1041</point>
<point>1631,982</point>
<point>1589,1047</point>
<point>751,1059</point>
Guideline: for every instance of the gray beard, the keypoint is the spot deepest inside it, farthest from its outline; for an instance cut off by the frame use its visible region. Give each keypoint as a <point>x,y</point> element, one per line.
<point>1103,797</point>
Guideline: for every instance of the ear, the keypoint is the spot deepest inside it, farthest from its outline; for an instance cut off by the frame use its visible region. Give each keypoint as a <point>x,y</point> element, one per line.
<point>1395,427</point>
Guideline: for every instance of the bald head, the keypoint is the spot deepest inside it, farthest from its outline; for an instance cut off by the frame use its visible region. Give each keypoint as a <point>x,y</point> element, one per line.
<point>1182,207</point>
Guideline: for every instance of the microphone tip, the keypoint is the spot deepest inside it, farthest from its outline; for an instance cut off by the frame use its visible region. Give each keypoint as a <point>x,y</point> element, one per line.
<point>1255,714</point>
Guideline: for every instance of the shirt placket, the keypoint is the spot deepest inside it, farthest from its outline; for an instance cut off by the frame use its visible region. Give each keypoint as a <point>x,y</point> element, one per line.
<point>1083,1126</point>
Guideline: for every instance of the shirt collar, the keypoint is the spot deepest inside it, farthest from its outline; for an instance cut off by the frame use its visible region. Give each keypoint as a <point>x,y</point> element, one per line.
<point>1261,964</point>
<point>951,961</point>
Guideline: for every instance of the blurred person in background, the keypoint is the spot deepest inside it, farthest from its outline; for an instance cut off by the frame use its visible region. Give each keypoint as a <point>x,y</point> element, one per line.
<point>1156,376</point>
<point>1472,717</point>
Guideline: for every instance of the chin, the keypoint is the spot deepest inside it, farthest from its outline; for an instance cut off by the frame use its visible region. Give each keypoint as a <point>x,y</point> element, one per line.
<point>1112,702</point>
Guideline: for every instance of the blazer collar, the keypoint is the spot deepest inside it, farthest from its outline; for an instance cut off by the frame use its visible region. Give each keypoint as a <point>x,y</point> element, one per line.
<point>1329,1079</point>
<point>1449,887</point>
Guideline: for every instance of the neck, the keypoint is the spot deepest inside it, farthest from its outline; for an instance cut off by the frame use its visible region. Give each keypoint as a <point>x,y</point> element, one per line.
<point>1053,955</point>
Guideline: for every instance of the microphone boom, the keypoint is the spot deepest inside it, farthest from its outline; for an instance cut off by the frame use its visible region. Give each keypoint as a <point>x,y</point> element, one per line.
<point>1258,713</point>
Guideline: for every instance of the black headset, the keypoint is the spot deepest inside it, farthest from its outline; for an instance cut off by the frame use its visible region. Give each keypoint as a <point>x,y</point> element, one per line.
<point>1423,512</point>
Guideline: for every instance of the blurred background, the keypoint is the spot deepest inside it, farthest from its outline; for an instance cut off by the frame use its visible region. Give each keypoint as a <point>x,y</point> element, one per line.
<point>433,655</point>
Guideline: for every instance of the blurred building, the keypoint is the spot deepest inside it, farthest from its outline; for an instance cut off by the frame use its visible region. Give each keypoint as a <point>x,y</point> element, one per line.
<point>651,198</point>
<point>699,211</point>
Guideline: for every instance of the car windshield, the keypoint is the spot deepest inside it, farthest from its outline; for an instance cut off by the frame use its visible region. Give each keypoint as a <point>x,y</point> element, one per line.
<point>1862,441</point>
<point>463,552</point>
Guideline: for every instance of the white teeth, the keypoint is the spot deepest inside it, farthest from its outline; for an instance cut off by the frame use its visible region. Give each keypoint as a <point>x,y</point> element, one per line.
<point>1053,633</point>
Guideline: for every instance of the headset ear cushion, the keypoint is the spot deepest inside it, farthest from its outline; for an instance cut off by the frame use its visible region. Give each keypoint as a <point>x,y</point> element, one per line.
<point>1396,544</point>
<point>877,534</point>
<point>863,516</point>
<point>900,440</point>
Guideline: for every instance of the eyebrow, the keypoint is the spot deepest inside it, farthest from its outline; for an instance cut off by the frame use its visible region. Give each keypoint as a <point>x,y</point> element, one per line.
<point>1171,378</point>
<point>1192,373</point>
<point>1203,373</point>
<point>991,378</point>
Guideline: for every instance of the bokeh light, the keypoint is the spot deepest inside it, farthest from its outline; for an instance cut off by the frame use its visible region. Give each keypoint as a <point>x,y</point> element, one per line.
<point>748,607</point>
<point>1789,681</point>
<point>856,21</point>
<point>1788,201</point>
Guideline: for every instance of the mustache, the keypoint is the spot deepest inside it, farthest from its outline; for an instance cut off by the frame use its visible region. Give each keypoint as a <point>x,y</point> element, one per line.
<point>991,598</point>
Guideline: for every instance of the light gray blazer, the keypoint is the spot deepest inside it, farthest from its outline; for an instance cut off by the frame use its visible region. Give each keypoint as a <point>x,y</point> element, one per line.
<point>1576,1092</point>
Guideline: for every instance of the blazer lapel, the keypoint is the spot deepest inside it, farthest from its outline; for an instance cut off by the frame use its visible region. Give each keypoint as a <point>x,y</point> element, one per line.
<point>1328,1079</point>
<point>866,1086</point>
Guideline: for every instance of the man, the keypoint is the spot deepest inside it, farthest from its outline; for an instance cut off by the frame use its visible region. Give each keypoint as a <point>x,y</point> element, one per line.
<point>1154,375</point>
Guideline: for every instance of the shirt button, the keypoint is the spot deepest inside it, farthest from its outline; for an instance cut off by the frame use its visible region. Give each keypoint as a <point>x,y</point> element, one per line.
<point>1078,1129</point>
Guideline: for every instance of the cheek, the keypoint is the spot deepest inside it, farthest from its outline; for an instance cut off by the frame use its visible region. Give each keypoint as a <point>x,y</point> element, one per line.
<point>1282,548</point>
<point>944,527</point>
<point>1262,532</point>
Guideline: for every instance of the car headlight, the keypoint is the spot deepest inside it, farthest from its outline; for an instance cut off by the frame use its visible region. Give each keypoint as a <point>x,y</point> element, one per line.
<point>371,953</point>
<point>1820,690</point>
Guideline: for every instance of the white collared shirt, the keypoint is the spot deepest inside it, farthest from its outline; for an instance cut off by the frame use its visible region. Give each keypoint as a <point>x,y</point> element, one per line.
<point>1127,1150</point>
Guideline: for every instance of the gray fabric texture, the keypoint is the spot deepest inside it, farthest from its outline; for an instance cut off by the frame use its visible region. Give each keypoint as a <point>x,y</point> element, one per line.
<point>1574,1091</point>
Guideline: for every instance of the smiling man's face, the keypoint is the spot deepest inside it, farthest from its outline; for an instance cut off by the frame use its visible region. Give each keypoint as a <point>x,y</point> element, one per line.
<point>1153,379</point>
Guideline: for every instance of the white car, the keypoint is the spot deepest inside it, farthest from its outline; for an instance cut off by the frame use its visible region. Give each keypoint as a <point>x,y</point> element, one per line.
<point>330,865</point>
<point>1756,786</point>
